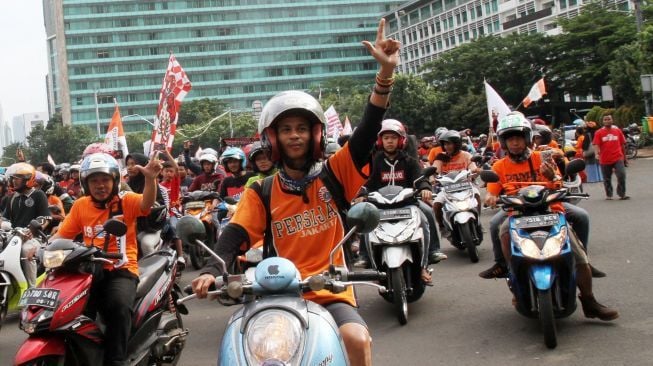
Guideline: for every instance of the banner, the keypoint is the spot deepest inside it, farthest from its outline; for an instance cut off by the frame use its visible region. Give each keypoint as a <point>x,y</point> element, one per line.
<point>538,90</point>
<point>115,136</point>
<point>495,104</point>
<point>173,90</point>
<point>333,122</point>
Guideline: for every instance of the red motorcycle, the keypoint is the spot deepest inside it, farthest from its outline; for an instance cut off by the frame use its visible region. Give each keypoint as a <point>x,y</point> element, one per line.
<point>56,317</point>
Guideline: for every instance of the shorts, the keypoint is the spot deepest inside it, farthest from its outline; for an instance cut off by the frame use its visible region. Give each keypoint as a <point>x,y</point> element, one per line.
<point>439,198</point>
<point>344,313</point>
<point>576,246</point>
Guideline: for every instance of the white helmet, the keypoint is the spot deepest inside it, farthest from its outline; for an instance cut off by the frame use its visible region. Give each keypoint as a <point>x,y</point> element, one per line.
<point>208,157</point>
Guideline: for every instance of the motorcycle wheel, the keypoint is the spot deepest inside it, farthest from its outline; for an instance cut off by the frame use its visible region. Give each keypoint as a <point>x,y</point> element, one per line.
<point>399,294</point>
<point>547,319</point>
<point>46,361</point>
<point>631,152</point>
<point>468,239</point>
<point>3,314</point>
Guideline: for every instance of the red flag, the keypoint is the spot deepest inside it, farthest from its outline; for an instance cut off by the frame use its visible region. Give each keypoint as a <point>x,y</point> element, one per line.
<point>538,90</point>
<point>115,136</point>
<point>333,122</point>
<point>347,130</point>
<point>175,87</point>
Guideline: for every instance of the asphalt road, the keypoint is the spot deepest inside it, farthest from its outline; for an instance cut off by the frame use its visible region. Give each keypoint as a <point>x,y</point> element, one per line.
<point>466,320</point>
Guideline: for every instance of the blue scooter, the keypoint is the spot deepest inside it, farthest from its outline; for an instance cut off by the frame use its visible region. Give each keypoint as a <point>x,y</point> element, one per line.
<point>542,266</point>
<point>276,326</point>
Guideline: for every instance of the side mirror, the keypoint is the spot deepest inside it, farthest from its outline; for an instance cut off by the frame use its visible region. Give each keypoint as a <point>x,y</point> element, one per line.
<point>115,227</point>
<point>230,200</point>
<point>575,166</point>
<point>189,229</point>
<point>477,159</point>
<point>489,176</point>
<point>34,225</point>
<point>364,215</point>
<point>429,171</point>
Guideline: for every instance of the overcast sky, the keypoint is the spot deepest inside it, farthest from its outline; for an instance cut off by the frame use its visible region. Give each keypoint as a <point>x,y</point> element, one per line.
<point>23,58</point>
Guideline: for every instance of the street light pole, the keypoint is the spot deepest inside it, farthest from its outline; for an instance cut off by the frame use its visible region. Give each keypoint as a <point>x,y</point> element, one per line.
<point>140,117</point>
<point>97,113</point>
<point>231,126</point>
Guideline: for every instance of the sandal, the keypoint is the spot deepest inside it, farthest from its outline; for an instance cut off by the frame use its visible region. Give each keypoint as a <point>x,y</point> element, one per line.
<point>427,279</point>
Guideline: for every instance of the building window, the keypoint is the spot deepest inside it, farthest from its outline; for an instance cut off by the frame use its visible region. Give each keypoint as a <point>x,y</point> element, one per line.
<point>105,99</point>
<point>563,4</point>
<point>79,100</point>
<point>102,54</point>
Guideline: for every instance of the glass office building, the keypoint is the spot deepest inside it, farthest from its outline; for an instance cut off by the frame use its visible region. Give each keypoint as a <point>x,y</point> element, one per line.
<point>238,51</point>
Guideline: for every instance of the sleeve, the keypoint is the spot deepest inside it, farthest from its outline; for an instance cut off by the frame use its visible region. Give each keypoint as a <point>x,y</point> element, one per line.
<point>362,140</point>
<point>195,168</point>
<point>496,188</point>
<point>131,205</point>
<point>597,139</point>
<point>432,155</point>
<point>250,215</point>
<point>579,142</point>
<point>71,225</point>
<point>42,204</point>
<point>346,172</point>
<point>194,186</point>
<point>622,138</point>
<point>414,171</point>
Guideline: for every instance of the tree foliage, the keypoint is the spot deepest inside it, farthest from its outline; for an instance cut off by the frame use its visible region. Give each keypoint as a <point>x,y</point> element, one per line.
<point>200,110</point>
<point>63,143</point>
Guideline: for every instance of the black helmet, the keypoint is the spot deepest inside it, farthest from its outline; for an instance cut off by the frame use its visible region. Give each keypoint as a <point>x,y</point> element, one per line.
<point>257,147</point>
<point>453,137</point>
<point>544,132</point>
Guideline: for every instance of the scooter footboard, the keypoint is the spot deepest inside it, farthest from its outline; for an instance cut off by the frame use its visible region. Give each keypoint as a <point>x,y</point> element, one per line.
<point>35,347</point>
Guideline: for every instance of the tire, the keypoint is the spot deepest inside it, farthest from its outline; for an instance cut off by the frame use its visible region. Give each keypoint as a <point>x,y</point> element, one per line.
<point>3,314</point>
<point>468,239</point>
<point>399,294</point>
<point>547,319</point>
<point>46,361</point>
<point>631,151</point>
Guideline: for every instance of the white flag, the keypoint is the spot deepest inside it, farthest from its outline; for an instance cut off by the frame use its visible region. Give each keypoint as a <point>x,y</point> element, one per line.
<point>50,160</point>
<point>495,103</point>
<point>333,122</point>
<point>538,90</point>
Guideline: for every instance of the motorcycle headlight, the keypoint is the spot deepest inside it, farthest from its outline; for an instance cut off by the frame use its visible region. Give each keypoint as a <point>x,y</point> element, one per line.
<point>553,244</point>
<point>273,336</point>
<point>54,258</point>
<point>527,246</point>
<point>462,205</point>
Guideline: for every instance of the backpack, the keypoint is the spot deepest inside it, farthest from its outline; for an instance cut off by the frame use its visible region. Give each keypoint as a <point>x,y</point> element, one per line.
<point>264,191</point>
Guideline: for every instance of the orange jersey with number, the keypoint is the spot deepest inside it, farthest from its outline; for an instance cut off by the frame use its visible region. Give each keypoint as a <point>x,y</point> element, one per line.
<point>85,218</point>
<point>305,232</point>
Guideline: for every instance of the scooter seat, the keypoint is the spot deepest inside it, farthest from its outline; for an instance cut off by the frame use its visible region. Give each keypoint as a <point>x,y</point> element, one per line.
<point>150,268</point>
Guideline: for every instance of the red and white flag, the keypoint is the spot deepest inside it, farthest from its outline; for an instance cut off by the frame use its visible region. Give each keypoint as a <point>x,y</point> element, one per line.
<point>333,122</point>
<point>50,160</point>
<point>175,87</point>
<point>538,90</point>
<point>115,136</point>
<point>347,130</point>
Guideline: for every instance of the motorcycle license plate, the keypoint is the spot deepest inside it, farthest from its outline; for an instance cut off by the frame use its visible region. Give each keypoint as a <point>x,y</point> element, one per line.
<point>526,222</point>
<point>457,187</point>
<point>45,297</point>
<point>396,214</point>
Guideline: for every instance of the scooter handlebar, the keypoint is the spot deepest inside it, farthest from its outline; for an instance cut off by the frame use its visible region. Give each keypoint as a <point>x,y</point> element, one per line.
<point>364,276</point>
<point>110,255</point>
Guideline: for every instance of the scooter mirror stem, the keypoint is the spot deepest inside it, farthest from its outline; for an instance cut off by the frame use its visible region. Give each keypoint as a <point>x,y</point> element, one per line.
<point>332,268</point>
<point>223,265</point>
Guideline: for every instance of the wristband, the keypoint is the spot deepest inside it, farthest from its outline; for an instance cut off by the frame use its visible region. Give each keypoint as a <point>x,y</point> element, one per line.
<point>379,92</point>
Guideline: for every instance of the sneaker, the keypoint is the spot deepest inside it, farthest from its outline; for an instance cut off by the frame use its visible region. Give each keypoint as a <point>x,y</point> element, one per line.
<point>436,257</point>
<point>498,270</point>
<point>608,198</point>
<point>597,273</point>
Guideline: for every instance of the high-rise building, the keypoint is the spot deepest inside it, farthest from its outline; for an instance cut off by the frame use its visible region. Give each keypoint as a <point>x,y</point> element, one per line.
<point>23,124</point>
<point>429,27</point>
<point>239,51</point>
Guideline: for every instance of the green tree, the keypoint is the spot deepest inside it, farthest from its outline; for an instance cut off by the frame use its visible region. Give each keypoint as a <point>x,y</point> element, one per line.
<point>200,110</point>
<point>416,104</point>
<point>55,121</point>
<point>42,142</point>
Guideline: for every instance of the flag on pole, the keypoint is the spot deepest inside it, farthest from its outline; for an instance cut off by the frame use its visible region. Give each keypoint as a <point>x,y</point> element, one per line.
<point>347,130</point>
<point>538,90</point>
<point>115,136</point>
<point>198,153</point>
<point>50,160</point>
<point>173,90</point>
<point>334,126</point>
<point>495,104</point>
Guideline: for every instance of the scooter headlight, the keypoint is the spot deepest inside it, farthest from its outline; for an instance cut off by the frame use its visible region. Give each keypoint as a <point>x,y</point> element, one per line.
<point>462,205</point>
<point>273,337</point>
<point>527,246</point>
<point>553,244</point>
<point>54,258</point>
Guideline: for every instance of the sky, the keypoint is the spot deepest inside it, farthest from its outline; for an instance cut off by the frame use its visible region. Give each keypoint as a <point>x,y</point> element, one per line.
<point>23,58</point>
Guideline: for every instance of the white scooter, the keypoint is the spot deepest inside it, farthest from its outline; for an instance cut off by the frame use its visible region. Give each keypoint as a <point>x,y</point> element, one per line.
<point>460,212</point>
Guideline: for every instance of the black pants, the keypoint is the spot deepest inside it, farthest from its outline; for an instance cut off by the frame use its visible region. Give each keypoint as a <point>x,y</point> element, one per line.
<point>620,171</point>
<point>114,296</point>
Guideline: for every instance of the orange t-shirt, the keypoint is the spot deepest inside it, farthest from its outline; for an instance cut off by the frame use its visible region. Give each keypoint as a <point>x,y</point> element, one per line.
<point>579,145</point>
<point>554,144</point>
<point>510,173</point>
<point>460,161</point>
<point>54,200</point>
<point>85,218</point>
<point>434,153</point>
<point>303,232</point>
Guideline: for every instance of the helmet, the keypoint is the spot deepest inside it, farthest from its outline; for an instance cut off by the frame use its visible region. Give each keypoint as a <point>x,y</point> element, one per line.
<point>545,134</point>
<point>75,167</point>
<point>392,125</point>
<point>211,151</point>
<point>97,147</point>
<point>514,123</point>
<point>100,163</point>
<point>46,182</point>
<point>331,149</point>
<point>453,137</point>
<point>290,103</point>
<point>24,171</point>
<point>257,147</point>
<point>233,153</point>
<point>482,135</point>
<point>208,157</point>
<point>439,131</point>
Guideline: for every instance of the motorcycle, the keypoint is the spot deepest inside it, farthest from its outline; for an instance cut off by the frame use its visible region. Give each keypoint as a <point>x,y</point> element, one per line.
<point>276,326</point>
<point>574,185</point>
<point>13,282</point>
<point>460,212</point>
<point>395,246</point>
<point>632,142</point>
<point>55,315</point>
<point>542,267</point>
<point>200,204</point>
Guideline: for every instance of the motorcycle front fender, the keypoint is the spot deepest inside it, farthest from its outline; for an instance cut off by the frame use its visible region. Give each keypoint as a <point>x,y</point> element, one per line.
<point>395,256</point>
<point>35,347</point>
<point>542,276</point>
<point>463,216</point>
<point>231,349</point>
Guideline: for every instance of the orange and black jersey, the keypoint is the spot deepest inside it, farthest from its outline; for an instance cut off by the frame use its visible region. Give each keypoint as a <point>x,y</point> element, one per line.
<point>305,226</point>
